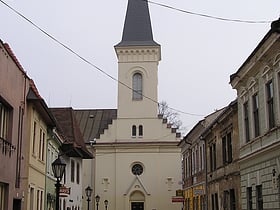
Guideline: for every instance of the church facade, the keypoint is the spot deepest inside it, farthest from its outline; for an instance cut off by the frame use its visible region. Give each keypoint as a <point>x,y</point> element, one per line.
<point>137,161</point>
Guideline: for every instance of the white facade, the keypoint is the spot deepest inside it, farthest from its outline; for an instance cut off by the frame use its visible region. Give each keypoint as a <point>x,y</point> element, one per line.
<point>137,159</point>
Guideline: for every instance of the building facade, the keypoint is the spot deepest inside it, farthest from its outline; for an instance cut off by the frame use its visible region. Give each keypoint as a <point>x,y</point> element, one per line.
<point>194,166</point>
<point>257,83</point>
<point>39,119</point>
<point>222,148</point>
<point>73,151</point>
<point>137,158</point>
<point>14,85</point>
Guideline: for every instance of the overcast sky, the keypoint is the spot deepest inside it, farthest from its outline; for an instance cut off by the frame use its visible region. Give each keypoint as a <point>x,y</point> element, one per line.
<point>198,54</point>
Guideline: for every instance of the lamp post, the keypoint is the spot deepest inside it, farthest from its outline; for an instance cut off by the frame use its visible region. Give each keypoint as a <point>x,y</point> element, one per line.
<point>97,199</point>
<point>58,167</point>
<point>88,194</point>
<point>106,204</point>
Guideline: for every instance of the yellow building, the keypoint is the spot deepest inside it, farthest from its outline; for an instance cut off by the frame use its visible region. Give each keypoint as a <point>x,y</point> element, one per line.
<point>38,121</point>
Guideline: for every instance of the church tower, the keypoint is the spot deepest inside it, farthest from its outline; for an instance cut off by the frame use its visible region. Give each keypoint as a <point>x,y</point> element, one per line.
<point>138,57</point>
<point>137,164</point>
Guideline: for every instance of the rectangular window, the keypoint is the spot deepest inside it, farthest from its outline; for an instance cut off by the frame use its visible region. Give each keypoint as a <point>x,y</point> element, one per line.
<point>42,145</point>
<point>249,198</point>
<point>246,121</point>
<point>38,200</point>
<point>4,121</point>
<point>41,199</point>
<point>232,201</point>
<point>72,171</point>
<point>213,157</point>
<point>34,138</point>
<point>270,107</point>
<point>2,196</point>
<point>78,173</point>
<point>214,201</point>
<point>227,148</point>
<point>32,198</point>
<point>259,197</point>
<point>255,101</point>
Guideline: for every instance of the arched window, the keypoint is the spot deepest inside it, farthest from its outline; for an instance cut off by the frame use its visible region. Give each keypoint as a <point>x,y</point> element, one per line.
<point>133,131</point>
<point>137,85</point>
<point>140,130</point>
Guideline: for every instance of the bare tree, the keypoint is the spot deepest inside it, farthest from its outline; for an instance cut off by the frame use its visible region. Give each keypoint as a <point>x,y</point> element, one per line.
<point>171,115</point>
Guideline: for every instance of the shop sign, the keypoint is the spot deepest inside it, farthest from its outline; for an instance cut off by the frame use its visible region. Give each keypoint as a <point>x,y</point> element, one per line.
<point>64,191</point>
<point>198,192</point>
<point>176,199</point>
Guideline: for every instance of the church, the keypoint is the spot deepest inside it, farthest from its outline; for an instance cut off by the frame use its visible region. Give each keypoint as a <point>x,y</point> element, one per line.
<point>137,161</point>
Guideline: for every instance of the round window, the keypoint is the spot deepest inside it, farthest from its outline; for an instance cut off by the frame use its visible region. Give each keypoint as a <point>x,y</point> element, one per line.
<point>137,169</point>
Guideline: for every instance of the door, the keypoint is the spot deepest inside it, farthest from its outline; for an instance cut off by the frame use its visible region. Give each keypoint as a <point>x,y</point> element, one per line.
<point>137,205</point>
<point>17,204</point>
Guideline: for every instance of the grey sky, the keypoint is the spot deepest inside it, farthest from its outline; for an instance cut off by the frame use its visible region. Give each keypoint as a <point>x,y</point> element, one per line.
<point>198,54</point>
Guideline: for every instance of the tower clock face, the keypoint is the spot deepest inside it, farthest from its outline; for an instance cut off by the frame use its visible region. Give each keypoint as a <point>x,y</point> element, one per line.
<point>137,169</point>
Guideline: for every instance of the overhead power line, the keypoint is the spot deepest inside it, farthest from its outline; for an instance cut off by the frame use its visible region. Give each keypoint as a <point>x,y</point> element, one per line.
<point>209,16</point>
<point>87,61</point>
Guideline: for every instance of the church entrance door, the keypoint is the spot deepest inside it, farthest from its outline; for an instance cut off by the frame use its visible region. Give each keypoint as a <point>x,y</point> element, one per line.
<point>137,205</point>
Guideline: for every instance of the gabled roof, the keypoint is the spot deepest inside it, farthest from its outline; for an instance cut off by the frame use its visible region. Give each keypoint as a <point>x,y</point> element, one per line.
<point>40,105</point>
<point>137,29</point>
<point>68,128</point>
<point>93,122</point>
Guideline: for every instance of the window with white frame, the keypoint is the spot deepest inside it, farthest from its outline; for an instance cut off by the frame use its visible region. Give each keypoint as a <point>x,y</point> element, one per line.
<point>140,128</point>
<point>78,173</point>
<point>137,86</point>
<point>269,103</point>
<point>256,120</point>
<point>32,198</point>
<point>72,165</point>
<point>246,121</point>
<point>42,145</point>
<point>34,138</point>
<point>133,131</point>
<point>4,121</point>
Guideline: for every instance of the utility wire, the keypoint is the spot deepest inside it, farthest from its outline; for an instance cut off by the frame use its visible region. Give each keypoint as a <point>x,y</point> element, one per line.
<point>209,16</point>
<point>87,61</point>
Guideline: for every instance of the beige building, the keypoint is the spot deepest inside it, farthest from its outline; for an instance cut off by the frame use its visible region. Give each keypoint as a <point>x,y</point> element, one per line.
<point>137,161</point>
<point>257,83</point>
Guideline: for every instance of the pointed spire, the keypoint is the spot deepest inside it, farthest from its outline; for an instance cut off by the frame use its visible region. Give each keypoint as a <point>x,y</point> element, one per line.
<point>137,27</point>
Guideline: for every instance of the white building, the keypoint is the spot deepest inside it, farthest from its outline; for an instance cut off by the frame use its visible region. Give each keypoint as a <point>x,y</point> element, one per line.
<point>137,163</point>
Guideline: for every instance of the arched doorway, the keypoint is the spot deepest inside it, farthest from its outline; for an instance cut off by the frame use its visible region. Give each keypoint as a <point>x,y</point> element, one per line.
<point>137,200</point>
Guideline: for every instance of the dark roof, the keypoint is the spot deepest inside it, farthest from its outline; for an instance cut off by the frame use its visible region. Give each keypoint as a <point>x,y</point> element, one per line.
<point>93,122</point>
<point>137,29</point>
<point>67,127</point>
<point>275,28</point>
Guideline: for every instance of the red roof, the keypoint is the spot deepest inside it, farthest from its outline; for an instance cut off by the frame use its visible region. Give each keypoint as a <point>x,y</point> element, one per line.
<point>13,56</point>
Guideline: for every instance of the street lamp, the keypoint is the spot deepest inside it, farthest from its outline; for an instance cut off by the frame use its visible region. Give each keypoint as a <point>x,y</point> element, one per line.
<point>106,204</point>
<point>58,167</point>
<point>88,194</point>
<point>97,199</point>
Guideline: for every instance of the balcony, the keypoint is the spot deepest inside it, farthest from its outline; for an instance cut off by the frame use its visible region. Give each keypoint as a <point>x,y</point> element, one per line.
<point>6,148</point>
